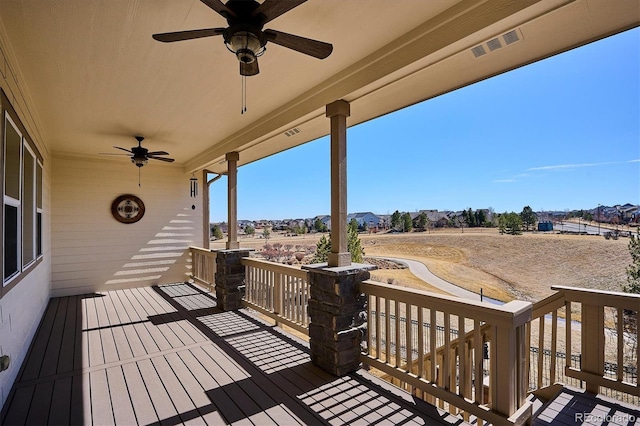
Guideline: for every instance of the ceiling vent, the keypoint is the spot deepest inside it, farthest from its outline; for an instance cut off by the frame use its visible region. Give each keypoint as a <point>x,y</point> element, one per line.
<point>511,37</point>
<point>496,43</point>
<point>478,51</point>
<point>292,132</point>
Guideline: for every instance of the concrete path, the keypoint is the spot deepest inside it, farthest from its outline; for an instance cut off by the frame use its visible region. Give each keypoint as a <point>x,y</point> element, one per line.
<point>421,271</point>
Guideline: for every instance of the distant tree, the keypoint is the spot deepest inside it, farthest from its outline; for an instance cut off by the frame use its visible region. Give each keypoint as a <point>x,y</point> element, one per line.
<point>633,270</point>
<point>319,226</point>
<point>630,317</point>
<point>216,232</point>
<point>422,221</point>
<point>266,234</point>
<point>353,223</point>
<point>323,248</point>
<point>510,223</point>
<point>471,218</point>
<point>249,230</point>
<point>528,217</point>
<point>396,220</point>
<point>353,243</point>
<point>407,223</point>
<point>480,217</point>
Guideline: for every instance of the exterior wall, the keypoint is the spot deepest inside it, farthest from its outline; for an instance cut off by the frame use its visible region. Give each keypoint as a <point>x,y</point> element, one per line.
<point>22,305</point>
<point>94,252</point>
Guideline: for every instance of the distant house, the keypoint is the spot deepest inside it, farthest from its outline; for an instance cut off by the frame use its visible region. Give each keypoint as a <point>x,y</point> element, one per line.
<point>370,219</point>
<point>628,212</point>
<point>326,219</point>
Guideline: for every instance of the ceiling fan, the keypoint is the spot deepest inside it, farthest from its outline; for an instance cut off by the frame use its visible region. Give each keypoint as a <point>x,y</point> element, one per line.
<point>245,36</point>
<point>140,156</point>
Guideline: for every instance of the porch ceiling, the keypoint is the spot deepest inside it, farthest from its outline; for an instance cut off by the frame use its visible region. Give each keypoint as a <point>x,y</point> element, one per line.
<point>95,76</point>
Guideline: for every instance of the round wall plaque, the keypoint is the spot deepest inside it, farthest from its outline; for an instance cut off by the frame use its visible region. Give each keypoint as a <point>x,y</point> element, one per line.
<point>127,208</point>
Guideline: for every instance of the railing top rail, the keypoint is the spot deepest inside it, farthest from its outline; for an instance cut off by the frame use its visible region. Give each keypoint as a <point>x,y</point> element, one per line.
<point>548,304</point>
<point>202,250</point>
<point>614,299</point>
<point>511,314</point>
<point>275,267</point>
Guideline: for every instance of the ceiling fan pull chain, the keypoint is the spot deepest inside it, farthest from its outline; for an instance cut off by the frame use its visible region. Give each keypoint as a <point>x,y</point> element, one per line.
<point>244,95</point>
<point>138,176</point>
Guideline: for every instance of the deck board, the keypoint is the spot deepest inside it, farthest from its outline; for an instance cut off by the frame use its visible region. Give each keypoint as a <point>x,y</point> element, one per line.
<point>31,368</point>
<point>66,361</point>
<point>165,355</point>
<point>59,413</point>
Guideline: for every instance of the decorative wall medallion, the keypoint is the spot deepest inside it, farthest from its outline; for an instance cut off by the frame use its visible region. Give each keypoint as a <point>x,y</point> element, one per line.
<point>127,208</point>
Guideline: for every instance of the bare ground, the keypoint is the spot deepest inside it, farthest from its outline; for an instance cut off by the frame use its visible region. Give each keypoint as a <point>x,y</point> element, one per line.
<point>512,267</point>
<point>506,267</point>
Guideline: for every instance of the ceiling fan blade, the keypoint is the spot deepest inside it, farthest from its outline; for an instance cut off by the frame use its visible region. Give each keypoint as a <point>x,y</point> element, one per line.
<point>271,9</point>
<point>157,153</point>
<point>249,69</point>
<point>168,160</point>
<point>113,153</point>
<point>220,8</point>
<point>187,35</point>
<point>315,48</point>
<point>117,147</point>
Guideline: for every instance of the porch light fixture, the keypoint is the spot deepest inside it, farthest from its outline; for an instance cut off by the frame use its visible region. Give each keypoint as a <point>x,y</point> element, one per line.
<point>247,43</point>
<point>194,186</point>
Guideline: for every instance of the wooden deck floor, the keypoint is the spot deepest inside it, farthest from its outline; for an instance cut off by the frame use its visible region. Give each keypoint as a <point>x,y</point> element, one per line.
<point>576,406</point>
<point>166,355</point>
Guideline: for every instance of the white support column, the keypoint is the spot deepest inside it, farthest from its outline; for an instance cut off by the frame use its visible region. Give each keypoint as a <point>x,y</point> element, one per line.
<point>206,231</point>
<point>338,112</point>
<point>232,184</point>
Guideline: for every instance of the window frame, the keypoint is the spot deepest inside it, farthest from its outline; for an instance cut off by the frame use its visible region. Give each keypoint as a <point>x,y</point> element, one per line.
<point>11,201</point>
<point>9,117</point>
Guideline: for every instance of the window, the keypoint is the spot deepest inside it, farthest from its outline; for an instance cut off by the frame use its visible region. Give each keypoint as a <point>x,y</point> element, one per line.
<point>22,198</point>
<point>12,151</point>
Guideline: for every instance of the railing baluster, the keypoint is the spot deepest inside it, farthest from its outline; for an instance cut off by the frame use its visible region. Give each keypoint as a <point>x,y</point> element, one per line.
<point>477,360</point>
<point>420,342</point>
<point>567,327</point>
<point>620,344</point>
<point>387,336</point>
<point>432,345</point>
<point>377,324</point>
<point>554,339</point>
<point>541,349</point>
<point>447,348</point>
<point>397,330</point>
<point>462,360</point>
<point>409,338</point>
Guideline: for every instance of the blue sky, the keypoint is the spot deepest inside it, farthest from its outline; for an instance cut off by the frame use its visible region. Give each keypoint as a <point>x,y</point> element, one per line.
<point>563,133</point>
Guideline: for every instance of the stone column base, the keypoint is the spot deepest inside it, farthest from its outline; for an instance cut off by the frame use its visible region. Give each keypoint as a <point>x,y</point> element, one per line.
<point>230,278</point>
<point>335,308</point>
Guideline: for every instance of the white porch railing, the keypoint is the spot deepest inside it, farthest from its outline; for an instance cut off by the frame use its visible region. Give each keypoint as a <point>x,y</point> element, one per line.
<point>278,291</point>
<point>599,332</point>
<point>203,267</point>
<point>468,373</point>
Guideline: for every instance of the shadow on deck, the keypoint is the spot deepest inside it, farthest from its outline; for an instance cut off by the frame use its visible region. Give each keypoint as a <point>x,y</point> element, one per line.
<point>166,355</point>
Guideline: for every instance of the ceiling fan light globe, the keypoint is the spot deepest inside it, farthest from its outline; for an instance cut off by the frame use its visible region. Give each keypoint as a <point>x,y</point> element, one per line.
<point>246,45</point>
<point>139,162</point>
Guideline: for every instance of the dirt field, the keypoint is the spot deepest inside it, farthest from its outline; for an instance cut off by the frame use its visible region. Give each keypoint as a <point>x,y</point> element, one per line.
<point>506,267</point>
